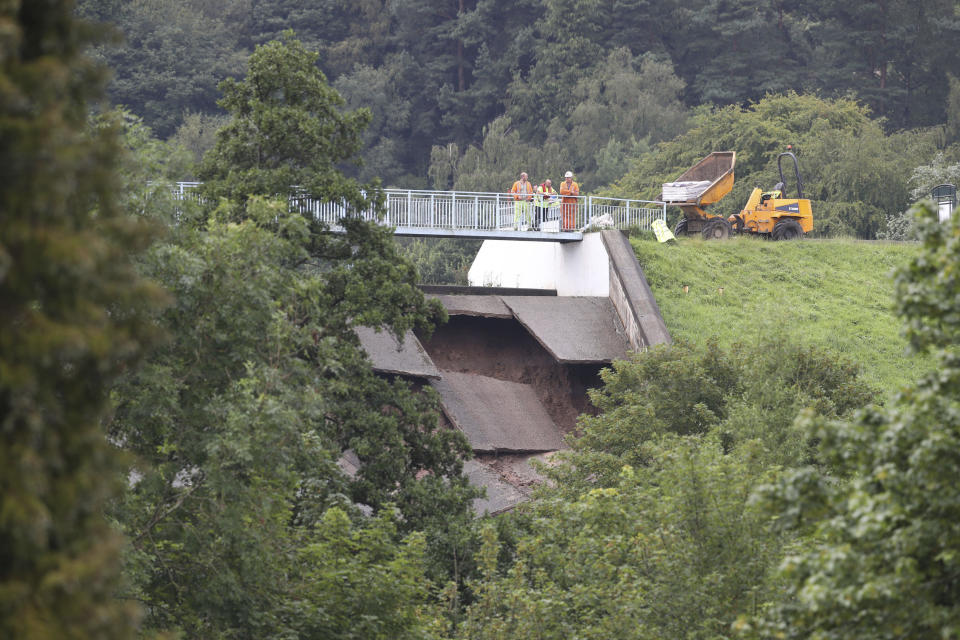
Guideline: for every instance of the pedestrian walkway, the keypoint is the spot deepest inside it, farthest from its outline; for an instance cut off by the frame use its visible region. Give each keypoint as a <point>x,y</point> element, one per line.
<point>461,214</point>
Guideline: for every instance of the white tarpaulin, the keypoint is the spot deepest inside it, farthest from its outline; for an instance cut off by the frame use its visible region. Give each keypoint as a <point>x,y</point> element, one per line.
<point>684,191</point>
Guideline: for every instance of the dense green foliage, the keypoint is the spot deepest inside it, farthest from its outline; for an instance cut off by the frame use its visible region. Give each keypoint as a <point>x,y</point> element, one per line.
<point>174,55</point>
<point>74,317</point>
<point>617,112</point>
<point>440,260</point>
<point>880,552</point>
<point>241,515</point>
<point>273,486</point>
<point>466,94</point>
<point>851,170</point>
<point>648,529</point>
<point>238,423</point>
<point>833,293</point>
<point>286,131</point>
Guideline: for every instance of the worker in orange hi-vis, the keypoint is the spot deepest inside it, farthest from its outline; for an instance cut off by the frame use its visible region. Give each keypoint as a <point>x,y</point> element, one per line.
<point>569,190</point>
<point>522,191</point>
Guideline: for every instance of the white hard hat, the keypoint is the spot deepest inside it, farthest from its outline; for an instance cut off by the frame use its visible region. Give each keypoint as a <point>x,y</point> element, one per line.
<point>568,174</point>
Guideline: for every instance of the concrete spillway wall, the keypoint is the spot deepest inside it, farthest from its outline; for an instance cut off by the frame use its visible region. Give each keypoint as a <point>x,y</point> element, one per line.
<point>603,264</point>
<point>514,364</point>
<point>631,294</point>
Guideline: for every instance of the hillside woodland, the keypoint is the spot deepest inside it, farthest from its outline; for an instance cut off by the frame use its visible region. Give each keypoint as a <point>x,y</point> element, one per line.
<point>466,93</point>
<point>180,381</point>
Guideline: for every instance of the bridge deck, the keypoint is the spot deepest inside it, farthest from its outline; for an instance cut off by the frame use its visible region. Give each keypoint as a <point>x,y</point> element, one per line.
<point>492,234</point>
<point>458,214</point>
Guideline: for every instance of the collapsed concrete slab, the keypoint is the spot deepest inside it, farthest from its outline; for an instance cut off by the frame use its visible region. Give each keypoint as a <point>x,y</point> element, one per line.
<point>517,358</point>
<point>572,329</point>
<point>509,479</point>
<point>501,496</point>
<point>389,356</point>
<point>520,470</point>
<point>349,463</point>
<point>497,415</point>
<point>482,306</point>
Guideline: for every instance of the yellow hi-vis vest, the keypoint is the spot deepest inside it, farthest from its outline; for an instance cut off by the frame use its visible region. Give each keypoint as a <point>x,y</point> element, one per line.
<point>551,197</point>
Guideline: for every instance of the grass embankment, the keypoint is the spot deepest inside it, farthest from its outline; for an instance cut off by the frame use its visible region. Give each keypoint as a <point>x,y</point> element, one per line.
<point>836,294</point>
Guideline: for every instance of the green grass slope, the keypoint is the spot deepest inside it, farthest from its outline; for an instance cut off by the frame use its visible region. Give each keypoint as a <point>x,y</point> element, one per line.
<point>836,294</point>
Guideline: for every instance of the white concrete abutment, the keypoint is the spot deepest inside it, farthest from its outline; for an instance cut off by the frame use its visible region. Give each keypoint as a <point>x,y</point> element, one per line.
<point>603,264</point>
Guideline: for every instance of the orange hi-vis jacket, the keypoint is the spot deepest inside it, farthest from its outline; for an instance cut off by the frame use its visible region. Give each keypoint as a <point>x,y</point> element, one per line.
<point>522,190</point>
<point>572,190</point>
<point>568,210</point>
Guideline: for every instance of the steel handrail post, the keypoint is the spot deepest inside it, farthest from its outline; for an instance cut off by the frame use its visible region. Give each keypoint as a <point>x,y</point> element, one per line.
<point>476,212</point>
<point>409,207</point>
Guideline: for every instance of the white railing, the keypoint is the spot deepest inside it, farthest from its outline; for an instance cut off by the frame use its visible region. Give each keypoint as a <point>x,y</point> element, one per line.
<point>183,190</point>
<point>411,209</point>
<point>627,213</point>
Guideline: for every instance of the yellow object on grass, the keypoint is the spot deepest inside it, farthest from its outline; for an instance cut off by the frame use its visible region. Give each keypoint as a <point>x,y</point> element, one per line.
<point>663,233</point>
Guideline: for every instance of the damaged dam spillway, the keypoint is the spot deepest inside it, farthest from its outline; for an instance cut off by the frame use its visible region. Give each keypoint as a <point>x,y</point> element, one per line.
<point>513,364</point>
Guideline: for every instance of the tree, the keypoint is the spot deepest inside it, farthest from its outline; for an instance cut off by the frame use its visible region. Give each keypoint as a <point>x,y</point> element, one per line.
<point>441,260</point>
<point>880,555</point>
<point>730,53</point>
<point>852,171</point>
<point>497,162</point>
<point>359,584</point>
<point>496,41</point>
<point>172,56</point>
<point>75,316</point>
<point>648,529</point>
<point>238,423</point>
<point>889,53</point>
<point>953,111</point>
<point>629,103</point>
<point>927,176</point>
<point>197,134</point>
<point>377,90</point>
<point>669,550</point>
<point>241,423</point>
<point>286,131</point>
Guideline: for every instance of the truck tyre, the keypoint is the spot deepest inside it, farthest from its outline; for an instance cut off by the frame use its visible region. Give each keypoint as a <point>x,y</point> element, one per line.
<point>788,229</point>
<point>681,228</point>
<point>716,229</point>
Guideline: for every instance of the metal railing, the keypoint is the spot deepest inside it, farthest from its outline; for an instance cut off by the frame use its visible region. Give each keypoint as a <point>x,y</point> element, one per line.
<point>184,190</point>
<point>409,210</point>
<point>627,213</point>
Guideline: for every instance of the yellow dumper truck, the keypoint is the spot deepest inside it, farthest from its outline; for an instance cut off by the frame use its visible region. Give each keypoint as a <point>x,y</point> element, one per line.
<point>769,213</point>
